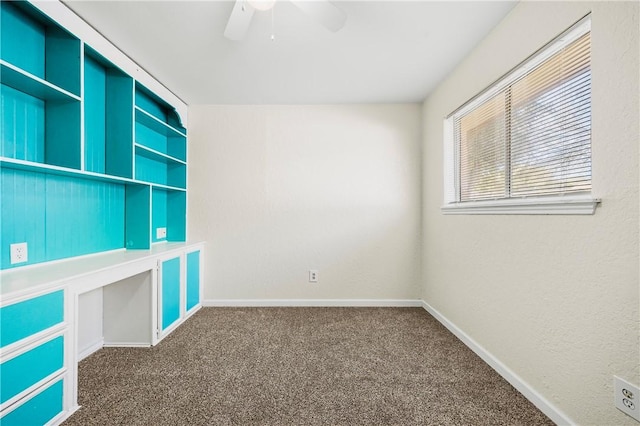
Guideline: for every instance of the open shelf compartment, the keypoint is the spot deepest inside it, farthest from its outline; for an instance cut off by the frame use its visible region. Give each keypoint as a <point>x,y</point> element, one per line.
<point>168,212</point>
<point>108,114</point>
<point>156,168</point>
<point>35,44</point>
<point>40,91</point>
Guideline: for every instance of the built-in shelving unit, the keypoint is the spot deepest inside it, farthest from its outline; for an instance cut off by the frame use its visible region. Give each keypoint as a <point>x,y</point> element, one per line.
<point>160,159</point>
<point>90,159</point>
<point>92,162</point>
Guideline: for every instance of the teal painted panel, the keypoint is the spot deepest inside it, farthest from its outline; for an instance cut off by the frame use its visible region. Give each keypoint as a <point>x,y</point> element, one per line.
<point>22,319</point>
<point>22,126</point>
<point>158,213</point>
<point>193,279</point>
<point>22,211</point>
<point>95,83</point>
<point>27,369</point>
<point>176,216</point>
<point>59,216</point>
<point>170,291</point>
<point>119,131</point>
<point>137,217</point>
<point>38,410</point>
<point>177,147</point>
<point>62,58</point>
<point>22,40</point>
<point>177,175</point>
<point>83,216</point>
<point>62,134</point>
<point>150,170</point>
<point>152,106</point>
<point>151,139</point>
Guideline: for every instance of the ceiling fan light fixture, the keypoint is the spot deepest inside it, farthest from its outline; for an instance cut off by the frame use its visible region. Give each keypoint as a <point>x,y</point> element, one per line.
<point>262,5</point>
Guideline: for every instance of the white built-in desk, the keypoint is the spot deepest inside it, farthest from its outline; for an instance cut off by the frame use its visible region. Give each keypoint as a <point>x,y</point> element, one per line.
<point>118,298</point>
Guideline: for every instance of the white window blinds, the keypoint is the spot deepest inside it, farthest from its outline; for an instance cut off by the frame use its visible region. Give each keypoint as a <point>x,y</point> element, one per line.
<point>530,134</point>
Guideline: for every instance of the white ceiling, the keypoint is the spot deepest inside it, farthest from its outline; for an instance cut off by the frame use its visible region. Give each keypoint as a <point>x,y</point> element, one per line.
<point>388,51</point>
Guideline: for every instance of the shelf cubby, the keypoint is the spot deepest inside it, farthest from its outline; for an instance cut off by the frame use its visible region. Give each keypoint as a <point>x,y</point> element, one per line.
<point>40,89</point>
<point>41,130</point>
<point>137,216</point>
<point>168,210</point>
<point>33,43</point>
<point>108,106</point>
<point>153,167</point>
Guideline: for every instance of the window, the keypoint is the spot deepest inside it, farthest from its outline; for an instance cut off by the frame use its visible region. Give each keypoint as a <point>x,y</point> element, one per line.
<point>524,144</point>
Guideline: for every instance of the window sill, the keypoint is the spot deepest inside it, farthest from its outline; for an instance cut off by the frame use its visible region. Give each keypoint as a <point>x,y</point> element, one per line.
<point>528,206</point>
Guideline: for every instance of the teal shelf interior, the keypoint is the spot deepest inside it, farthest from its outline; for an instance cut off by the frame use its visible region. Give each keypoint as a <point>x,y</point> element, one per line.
<point>158,136</point>
<point>22,130</point>
<point>40,104</point>
<point>158,169</point>
<point>108,107</point>
<point>155,106</point>
<point>32,42</point>
<point>59,216</point>
<point>158,213</point>
<point>168,211</point>
<point>18,79</point>
<point>39,130</point>
<point>138,218</point>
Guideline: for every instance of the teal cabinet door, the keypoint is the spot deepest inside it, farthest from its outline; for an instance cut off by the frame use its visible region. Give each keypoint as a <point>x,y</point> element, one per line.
<point>193,279</point>
<point>170,292</point>
<point>31,367</point>
<point>39,409</point>
<point>22,319</point>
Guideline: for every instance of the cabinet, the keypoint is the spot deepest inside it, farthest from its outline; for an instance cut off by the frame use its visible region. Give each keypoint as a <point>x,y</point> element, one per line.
<point>91,160</point>
<point>179,289</point>
<point>33,367</point>
<point>170,283</point>
<point>193,280</point>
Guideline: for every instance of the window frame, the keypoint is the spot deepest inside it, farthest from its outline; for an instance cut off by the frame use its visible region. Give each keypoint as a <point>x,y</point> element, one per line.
<point>570,203</point>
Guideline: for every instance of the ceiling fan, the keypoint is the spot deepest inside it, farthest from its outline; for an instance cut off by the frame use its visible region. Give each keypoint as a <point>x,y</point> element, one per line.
<point>323,11</point>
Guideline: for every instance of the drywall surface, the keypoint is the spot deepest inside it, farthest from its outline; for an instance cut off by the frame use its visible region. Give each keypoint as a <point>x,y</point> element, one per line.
<point>90,322</point>
<point>279,190</point>
<point>554,298</point>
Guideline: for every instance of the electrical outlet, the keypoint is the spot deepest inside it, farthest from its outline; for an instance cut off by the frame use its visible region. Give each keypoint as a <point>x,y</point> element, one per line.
<point>627,397</point>
<point>19,253</point>
<point>161,233</point>
<point>313,275</point>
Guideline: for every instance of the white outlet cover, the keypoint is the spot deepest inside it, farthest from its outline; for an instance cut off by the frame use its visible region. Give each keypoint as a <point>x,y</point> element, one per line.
<point>313,275</point>
<point>19,253</point>
<point>161,233</point>
<point>627,397</point>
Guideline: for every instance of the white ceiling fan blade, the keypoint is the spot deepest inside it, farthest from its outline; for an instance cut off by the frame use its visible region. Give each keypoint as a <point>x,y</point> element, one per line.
<point>324,12</point>
<point>239,20</point>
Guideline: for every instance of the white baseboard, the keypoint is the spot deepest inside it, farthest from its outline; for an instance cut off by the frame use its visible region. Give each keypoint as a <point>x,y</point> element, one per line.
<point>313,302</point>
<point>516,381</point>
<point>127,345</point>
<point>91,349</point>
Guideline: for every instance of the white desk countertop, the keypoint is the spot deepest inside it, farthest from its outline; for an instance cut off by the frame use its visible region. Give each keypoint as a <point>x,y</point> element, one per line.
<point>15,282</point>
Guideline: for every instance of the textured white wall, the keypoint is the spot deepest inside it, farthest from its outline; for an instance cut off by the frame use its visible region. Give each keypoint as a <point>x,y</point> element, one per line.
<point>278,190</point>
<point>555,298</point>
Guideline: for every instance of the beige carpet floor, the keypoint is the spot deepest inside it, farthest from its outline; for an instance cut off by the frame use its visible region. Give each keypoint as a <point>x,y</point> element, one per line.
<point>300,366</point>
